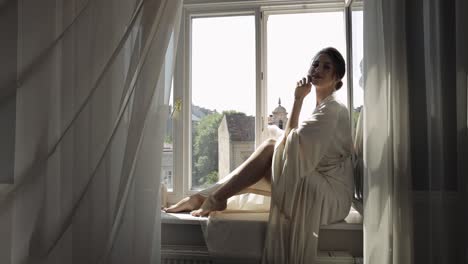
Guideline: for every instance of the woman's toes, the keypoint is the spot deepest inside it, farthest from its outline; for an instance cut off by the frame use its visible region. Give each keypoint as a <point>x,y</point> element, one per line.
<point>195,212</point>
<point>200,212</point>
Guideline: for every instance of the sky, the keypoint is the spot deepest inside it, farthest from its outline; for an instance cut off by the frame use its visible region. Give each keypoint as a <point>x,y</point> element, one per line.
<point>223,59</point>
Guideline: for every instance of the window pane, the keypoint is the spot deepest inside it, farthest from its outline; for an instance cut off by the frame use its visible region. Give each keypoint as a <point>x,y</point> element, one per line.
<point>168,154</point>
<point>223,96</point>
<point>358,96</point>
<point>358,48</point>
<point>293,40</point>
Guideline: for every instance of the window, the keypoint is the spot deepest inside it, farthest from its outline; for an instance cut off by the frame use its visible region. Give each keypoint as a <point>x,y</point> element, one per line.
<point>167,164</point>
<point>355,31</point>
<point>357,55</point>
<point>236,76</point>
<point>223,95</point>
<point>291,44</point>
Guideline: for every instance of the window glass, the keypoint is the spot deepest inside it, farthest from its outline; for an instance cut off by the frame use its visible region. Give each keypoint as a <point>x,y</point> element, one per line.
<point>223,96</point>
<point>292,41</point>
<point>358,48</point>
<point>168,153</point>
<point>358,92</point>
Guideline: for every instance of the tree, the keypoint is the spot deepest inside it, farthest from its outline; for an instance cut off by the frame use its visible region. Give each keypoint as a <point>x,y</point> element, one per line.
<point>205,149</point>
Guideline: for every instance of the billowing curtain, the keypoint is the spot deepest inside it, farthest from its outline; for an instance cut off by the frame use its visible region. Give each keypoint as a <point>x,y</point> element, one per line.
<point>415,131</point>
<point>91,91</point>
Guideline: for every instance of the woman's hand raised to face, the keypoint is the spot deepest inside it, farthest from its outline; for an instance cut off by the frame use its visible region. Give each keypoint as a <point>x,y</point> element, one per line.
<point>303,88</point>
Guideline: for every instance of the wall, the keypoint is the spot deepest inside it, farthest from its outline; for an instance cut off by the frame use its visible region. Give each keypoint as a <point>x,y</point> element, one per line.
<point>241,150</point>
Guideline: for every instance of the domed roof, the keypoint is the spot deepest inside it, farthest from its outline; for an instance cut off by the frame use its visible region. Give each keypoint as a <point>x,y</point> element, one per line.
<point>279,108</point>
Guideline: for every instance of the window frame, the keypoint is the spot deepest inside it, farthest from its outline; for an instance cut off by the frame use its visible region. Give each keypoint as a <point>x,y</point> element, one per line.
<point>182,141</point>
<point>349,56</point>
<point>357,201</point>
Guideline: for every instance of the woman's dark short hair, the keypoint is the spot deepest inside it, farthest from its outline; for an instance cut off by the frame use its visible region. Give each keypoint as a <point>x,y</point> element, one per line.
<point>338,62</point>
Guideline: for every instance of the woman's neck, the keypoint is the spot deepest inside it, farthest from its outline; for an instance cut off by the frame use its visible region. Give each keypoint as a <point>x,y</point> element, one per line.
<point>321,94</point>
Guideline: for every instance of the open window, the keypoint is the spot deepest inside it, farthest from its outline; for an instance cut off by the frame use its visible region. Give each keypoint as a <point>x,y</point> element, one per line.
<point>355,78</point>
<point>222,94</point>
<point>236,70</point>
<point>291,42</point>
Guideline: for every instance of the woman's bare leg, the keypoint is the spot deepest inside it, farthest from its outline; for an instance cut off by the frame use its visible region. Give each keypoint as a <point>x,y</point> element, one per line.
<point>258,165</point>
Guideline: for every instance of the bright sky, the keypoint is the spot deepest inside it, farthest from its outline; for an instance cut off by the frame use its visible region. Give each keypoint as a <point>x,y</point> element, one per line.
<point>293,40</point>
<point>223,63</point>
<point>223,58</point>
<point>358,49</point>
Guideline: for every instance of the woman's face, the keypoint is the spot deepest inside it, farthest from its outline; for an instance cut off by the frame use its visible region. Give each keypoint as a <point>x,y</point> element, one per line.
<point>322,72</point>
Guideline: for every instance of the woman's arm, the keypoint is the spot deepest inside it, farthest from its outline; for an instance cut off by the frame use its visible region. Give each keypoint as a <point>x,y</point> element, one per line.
<point>302,90</point>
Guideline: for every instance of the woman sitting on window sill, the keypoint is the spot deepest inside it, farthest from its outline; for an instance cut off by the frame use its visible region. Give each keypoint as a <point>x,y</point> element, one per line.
<point>308,172</point>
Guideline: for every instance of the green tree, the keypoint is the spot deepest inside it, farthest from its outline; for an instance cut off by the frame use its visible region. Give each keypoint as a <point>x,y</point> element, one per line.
<point>205,149</point>
<point>356,113</point>
<point>168,139</point>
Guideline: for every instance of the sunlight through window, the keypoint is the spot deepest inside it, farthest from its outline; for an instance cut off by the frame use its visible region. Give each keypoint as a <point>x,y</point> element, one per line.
<point>223,96</point>
<point>292,41</point>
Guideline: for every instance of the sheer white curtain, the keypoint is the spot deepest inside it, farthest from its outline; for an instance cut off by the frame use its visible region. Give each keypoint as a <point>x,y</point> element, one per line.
<point>415,131</point>
<point>92,90</point>
<point>387,174</point>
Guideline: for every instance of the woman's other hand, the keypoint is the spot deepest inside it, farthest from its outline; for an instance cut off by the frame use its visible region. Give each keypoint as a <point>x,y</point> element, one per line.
<point>303,88</point>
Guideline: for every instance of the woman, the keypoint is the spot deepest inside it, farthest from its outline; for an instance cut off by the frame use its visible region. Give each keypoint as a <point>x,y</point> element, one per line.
<point>309,169</point>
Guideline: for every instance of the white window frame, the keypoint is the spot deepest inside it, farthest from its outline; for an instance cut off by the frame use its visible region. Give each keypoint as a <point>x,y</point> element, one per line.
<point>182,145</point>
<point>349,55</point>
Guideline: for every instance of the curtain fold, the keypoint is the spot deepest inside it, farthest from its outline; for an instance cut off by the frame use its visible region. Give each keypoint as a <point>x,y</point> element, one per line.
<point>461,8</point>
<point>415,131</point>
<point>387,174</point>
<point>91,105</point>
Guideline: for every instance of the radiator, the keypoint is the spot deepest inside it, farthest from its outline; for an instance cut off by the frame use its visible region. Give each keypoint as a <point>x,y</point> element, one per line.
<point>185,255</point>
<point>199,255</point>
<point>185,261</point>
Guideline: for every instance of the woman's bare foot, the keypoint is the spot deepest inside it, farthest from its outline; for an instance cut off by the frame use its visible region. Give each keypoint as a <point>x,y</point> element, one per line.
<point>209,205</point>
<point>190,203</point>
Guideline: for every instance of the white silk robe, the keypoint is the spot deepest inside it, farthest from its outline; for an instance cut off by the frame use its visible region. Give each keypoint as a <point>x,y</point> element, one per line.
<point>312,184</point>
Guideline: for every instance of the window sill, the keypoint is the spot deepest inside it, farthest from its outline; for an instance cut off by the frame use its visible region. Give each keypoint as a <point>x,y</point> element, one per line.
<point>181,219</point>
<point>352,222</point>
